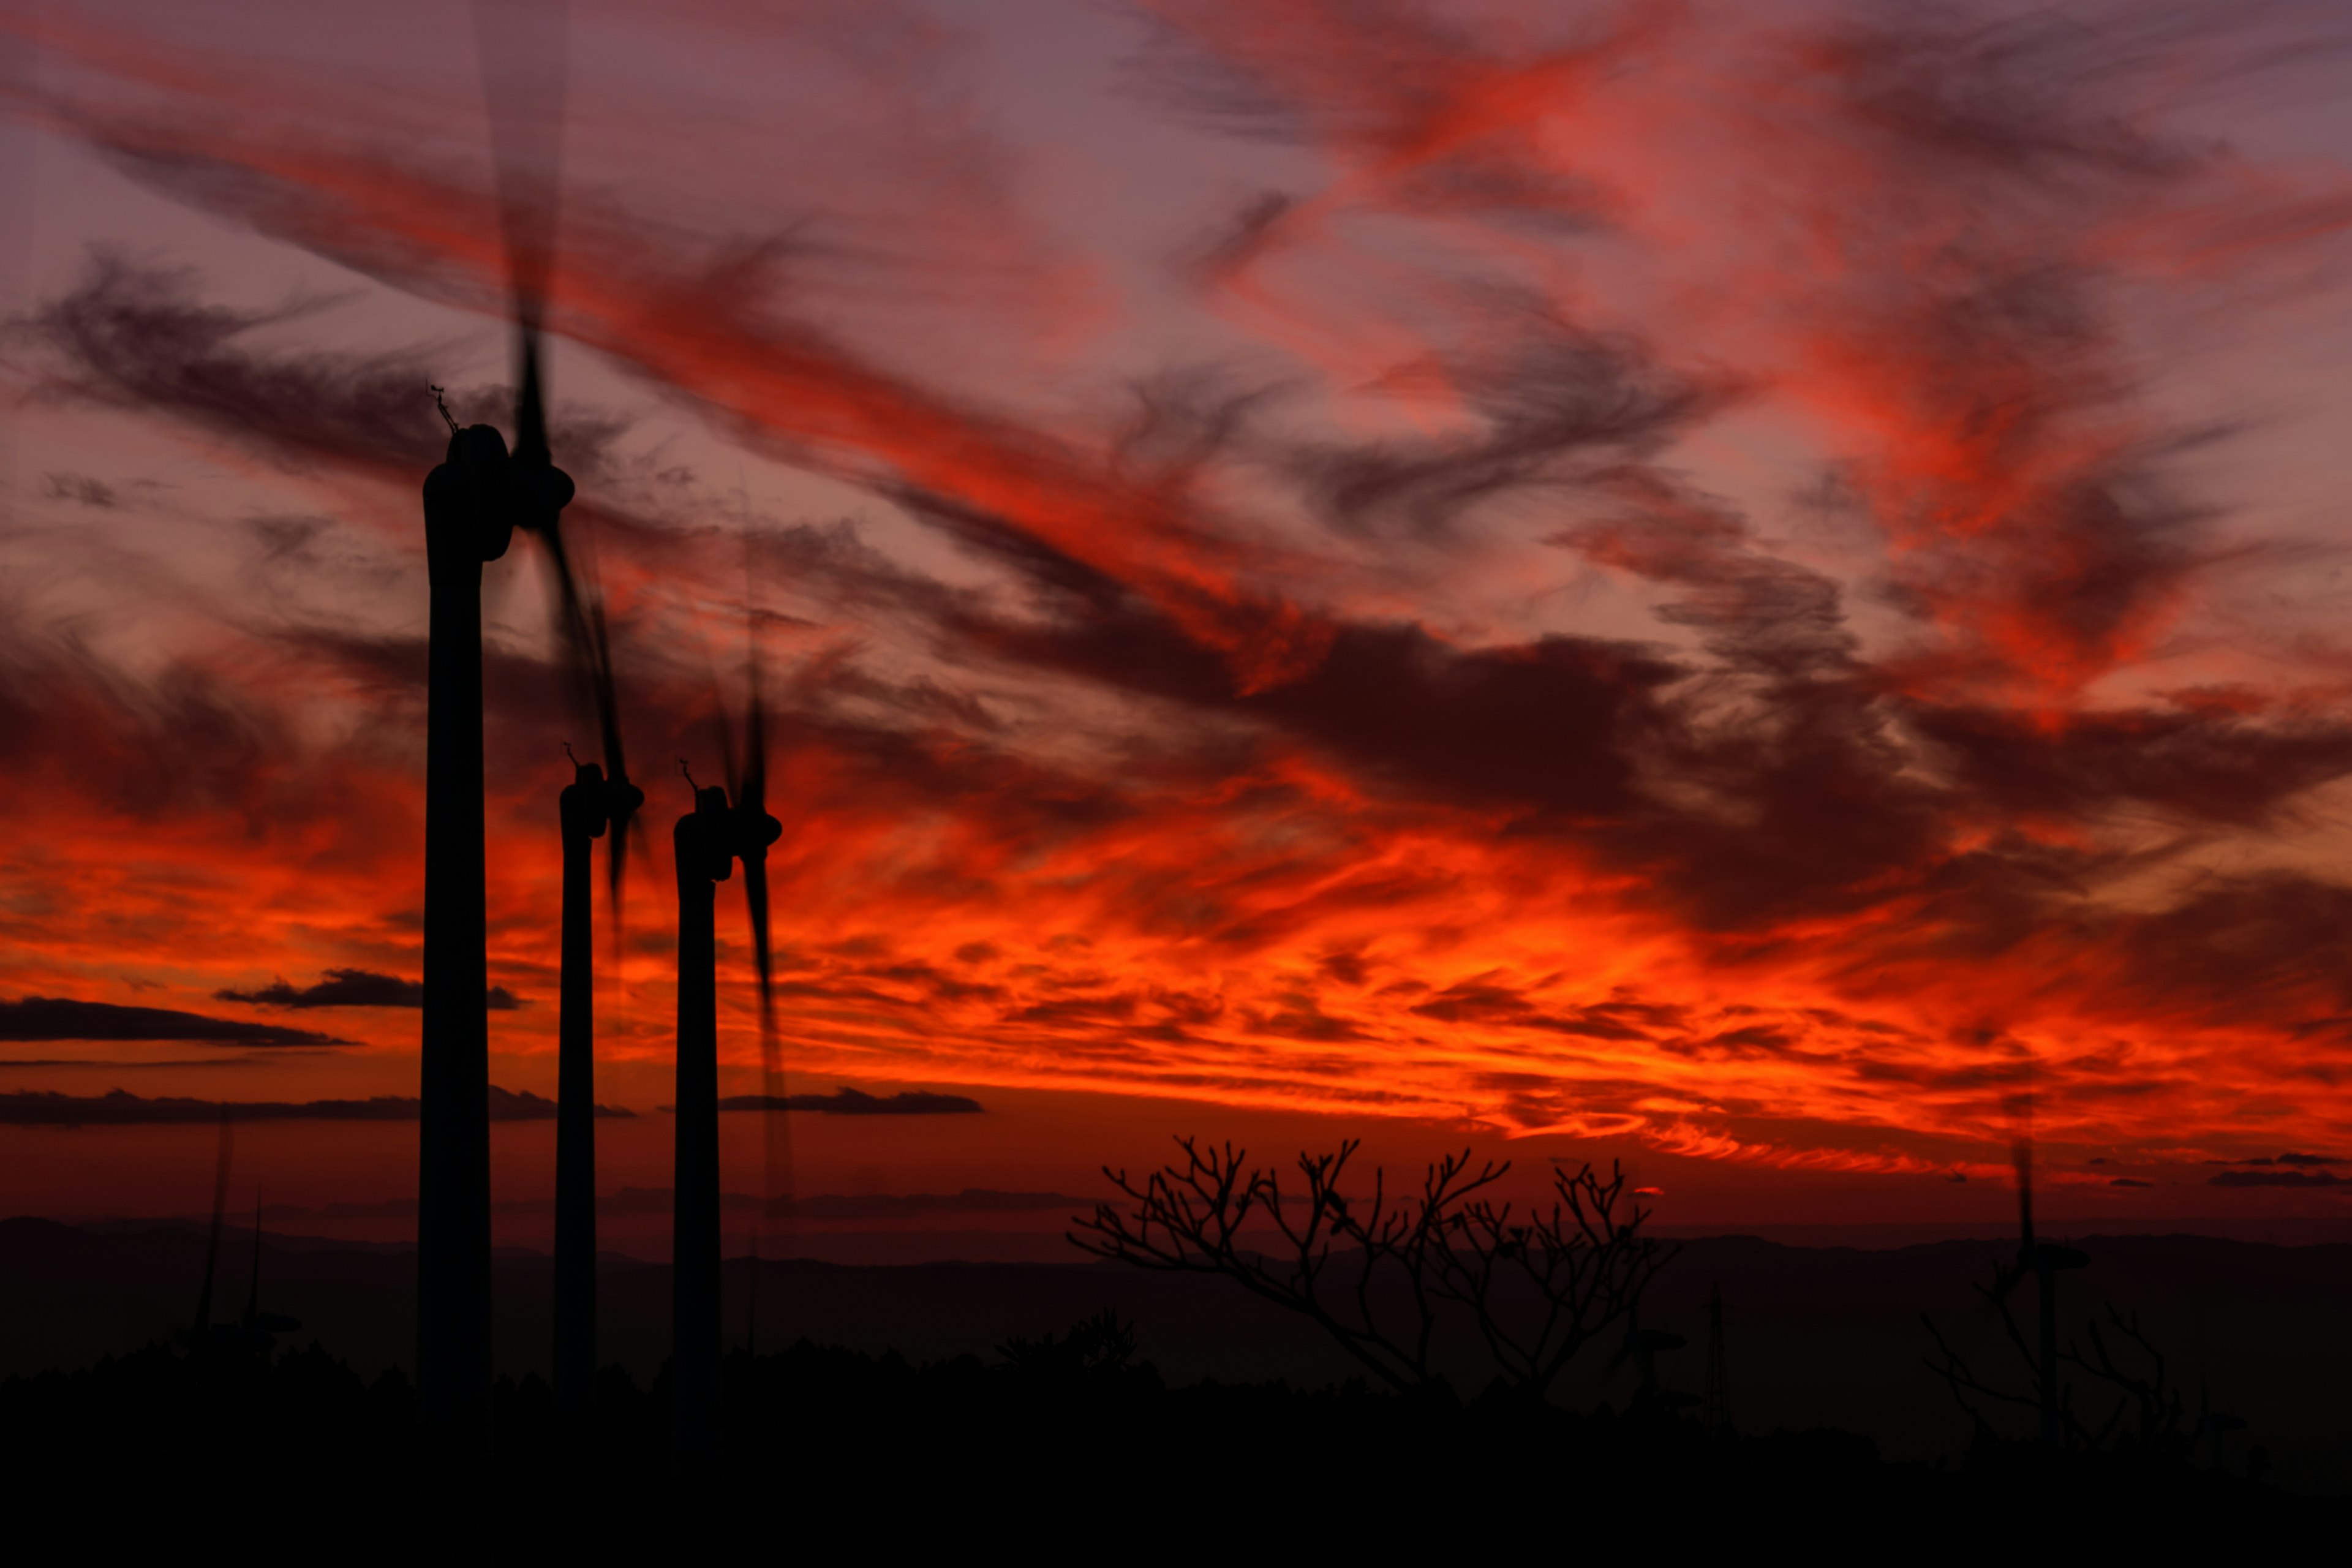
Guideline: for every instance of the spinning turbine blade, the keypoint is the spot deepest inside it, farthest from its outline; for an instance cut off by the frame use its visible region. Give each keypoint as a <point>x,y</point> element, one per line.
<point>760,830</point>
<point>521,43</point>
<point>756,831</point>
<point>588,644</point>
<point>523,51</point>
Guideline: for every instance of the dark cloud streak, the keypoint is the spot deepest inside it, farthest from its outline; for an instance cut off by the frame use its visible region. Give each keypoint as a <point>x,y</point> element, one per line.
<point>118,1108</point>
<point>64,1018</point>
<point>352,988</point>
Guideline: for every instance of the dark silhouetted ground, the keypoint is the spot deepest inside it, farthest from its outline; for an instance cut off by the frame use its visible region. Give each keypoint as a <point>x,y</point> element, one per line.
<point>839,1455</point>
<point>1817,1338</point>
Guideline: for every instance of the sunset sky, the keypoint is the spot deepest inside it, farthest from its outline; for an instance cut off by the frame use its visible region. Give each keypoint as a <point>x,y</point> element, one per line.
<point>1745,587</point>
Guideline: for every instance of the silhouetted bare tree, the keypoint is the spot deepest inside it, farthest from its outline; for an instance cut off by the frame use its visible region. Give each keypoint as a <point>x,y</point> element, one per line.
<point>1373,1272</point>
<point>1586,1263</point>
<point>2149,1414</point>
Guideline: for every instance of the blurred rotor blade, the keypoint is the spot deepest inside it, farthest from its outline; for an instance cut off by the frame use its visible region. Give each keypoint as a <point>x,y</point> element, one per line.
<point>523,49</point>
<point>588,647</point>
<point>757,832</point>
<point>762,830</point>
<point>530,403</point>
<point>622,797</point>
<point>727,760</point>
<point>776,1125</point>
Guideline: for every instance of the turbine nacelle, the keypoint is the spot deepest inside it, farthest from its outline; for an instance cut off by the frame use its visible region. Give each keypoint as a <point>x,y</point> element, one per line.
<point>704,840</point>
<point>711,837</point>
<point>581,803</point>
<point>481,493</point>
<point>591,803</point>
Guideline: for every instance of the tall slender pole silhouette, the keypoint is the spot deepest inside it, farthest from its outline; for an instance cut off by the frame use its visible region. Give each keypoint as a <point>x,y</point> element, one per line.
<point>1716,1413</point>
<point>212,1248</point>
<point>594,802</point>
<point>701,841</point>
<point>253,1296</point>
<point>473,503</point>
<point>583,813</point>
<point>2046,1291</point>
<point>707,841</point>
<point>468,521</point>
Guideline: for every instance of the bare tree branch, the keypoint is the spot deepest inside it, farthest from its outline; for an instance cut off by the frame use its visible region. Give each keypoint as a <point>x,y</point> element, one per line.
<point>2155,1408</point>
<point>2147,1395</point>
<point>1586,1265</point>
<point>1374,1271</point>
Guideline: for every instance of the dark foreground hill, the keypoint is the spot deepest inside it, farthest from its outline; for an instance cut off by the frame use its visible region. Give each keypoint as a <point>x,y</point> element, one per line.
<point>1815,1337</point>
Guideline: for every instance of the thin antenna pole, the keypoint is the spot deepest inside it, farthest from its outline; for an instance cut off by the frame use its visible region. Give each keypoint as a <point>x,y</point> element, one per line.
<point>253,1296</point>
<point>2046,1277</point>
<point>212,1248</point>
<point>1717,1413</point>
<point>580,812</point>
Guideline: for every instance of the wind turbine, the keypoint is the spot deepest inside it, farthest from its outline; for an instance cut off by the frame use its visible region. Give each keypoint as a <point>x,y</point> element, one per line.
<point>598,798</point>
<point>473,503</point>
<point>707,841</point>
<point>2043,1260</point>
<point>522,47</point>
<point>588,805</point>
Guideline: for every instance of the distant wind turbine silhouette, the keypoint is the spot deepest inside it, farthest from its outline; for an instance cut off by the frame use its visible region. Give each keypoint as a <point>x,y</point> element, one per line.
<point>2043,1260</point>
<point>204,1319</point>
<point>259,1330</point>
<point>707,839</point>
<point>588,805</point>
<point>750,783</point>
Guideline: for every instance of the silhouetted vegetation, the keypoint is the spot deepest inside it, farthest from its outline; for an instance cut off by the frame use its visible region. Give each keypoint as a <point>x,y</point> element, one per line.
<point>1377,1272</point>
<point>2129,1405</point>
<point>1063,1440</point>
<point>2123,1401</point>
